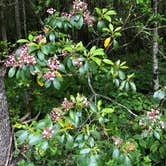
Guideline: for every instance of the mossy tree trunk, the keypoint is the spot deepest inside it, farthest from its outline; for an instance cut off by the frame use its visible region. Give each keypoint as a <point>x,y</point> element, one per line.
<point>5,130</point>
<point>155,48</point>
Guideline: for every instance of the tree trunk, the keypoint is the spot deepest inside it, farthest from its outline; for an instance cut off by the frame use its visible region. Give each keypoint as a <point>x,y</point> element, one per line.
<point>24,18</point>
<point>3,25</point>
<point>5,131</point>
<point>17,18</point>
<point>155,49</point>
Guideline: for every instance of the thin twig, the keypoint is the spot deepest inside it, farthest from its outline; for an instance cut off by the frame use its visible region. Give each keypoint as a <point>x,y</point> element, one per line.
<point>108,98</point>
<point>25,117</point>
<point>117,103</point>
<point>30,120</point>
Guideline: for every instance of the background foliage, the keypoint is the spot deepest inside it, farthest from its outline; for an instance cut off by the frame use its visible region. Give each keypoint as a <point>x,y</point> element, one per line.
<point>80,90</point>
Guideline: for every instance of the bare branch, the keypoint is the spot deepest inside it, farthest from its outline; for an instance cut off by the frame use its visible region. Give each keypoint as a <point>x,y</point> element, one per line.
<point>108,98</point>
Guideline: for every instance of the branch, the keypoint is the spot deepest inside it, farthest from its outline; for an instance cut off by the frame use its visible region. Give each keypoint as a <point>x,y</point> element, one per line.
<point>108,98</point>
<point>30,120</point>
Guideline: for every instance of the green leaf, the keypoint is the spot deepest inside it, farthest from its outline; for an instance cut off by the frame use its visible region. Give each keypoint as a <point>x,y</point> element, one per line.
<point>44,145</point>
<point>56,84</point>
<point>82,70</point>
<point>127,161</point>
<point>70,142</point>
<point>157,135</point>
<point>99,51</point>
<point>34,139</point>
<point>107,111</point>
<point>59,24</point>
<point>41,124</point>
<point>33,48</point>
<point>107,61</point>
<point>62,68</point>
<point>41,56</point>
<point>127,86</point>
<point>107,17</point>
<point>101,25</point>
<point>118,29</point>
<point>115,153</point>
<point>30,37</point>
<point>77,21</point>
<point>122,85</point>
<point>159,94</point>
<point>133,87</point>
<point>47,83</point>
<point>85,151</point>
<point>121,75</point>
<point>23,134</point>
<point>111,27</point>
<point>142,143</point>
<point>105,29</point>
<point>115,44</point>
<point>18,74</point>
<point>97,60</point>
<point>93,107</point>
<point>49,48</point>
<point>95,134</point>
<point>116,82</point>
<point>111,12</point>
<point>22,41</point>
<point>98,11</point>
<point>93,160</point>
<point>11,72</point>
<point>52,37</point>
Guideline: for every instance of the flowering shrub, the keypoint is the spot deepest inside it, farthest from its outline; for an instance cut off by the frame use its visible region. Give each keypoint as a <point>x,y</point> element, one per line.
<point>79,130</point>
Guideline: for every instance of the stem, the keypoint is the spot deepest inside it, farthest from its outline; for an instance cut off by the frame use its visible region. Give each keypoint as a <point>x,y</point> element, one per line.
<point>108,98</point>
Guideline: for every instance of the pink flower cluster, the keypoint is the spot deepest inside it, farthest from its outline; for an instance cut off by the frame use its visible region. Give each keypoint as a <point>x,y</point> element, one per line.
<point>77,62</point>
<point>47,132</point>
<point>66,104</point>
<point>53,64</point>
<point>65,53</point>
<point>86,102</point>
<point>55,114</point>
<point>40,38</point>
<point>23,59</point>
<point>153,115</point>
<point>117,140</point>
<point>50,10</point>
<point>88,18</point>
<point>50,75</point>
<point>80,7</point>
<point>67,15</point>
<point>154,118</point>
<point>11,61</point>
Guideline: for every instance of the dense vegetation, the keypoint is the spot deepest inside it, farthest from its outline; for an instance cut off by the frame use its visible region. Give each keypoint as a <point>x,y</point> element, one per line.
<point>86,85</point>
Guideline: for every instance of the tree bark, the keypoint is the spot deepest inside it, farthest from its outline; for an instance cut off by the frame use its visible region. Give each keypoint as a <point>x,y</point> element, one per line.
<point>5,130</point>
<point>17,18</point>
<point>155,48</point>
<point>24,18</point>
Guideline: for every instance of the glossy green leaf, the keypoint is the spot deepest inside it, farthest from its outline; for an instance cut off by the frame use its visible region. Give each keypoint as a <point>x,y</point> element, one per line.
<point>11,72</point>
<point>115,153</point>
<point>85,151</point>
<point>93,107</point>
<point>56,84</point>
<point>34,139</point>
<point>159,94</point>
